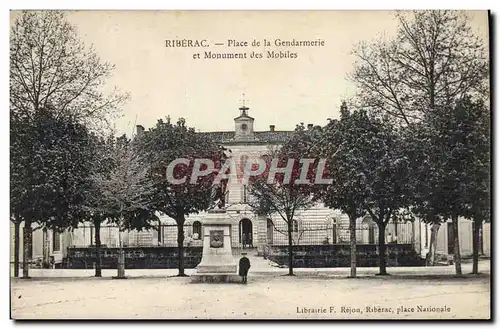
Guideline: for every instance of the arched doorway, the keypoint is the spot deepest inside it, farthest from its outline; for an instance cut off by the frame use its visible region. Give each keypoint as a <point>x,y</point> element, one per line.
<point>245,230</point>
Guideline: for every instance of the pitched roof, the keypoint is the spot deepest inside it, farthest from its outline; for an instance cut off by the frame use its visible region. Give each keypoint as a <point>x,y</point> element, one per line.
<point>260,136</point>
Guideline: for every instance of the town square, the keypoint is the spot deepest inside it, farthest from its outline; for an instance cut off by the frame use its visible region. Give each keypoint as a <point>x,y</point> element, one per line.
<point>345,176</point>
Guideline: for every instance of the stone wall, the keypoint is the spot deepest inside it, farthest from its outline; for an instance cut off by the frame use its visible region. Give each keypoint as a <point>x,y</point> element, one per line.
<point>315,256</point>
<point>135,257</point>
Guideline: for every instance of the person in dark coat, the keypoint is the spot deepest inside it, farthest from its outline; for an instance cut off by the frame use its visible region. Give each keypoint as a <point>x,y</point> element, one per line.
<point>244,266</point>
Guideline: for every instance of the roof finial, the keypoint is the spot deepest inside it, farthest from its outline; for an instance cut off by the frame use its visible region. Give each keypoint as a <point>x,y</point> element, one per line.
<point>243,100</point>
<point>243,108</point>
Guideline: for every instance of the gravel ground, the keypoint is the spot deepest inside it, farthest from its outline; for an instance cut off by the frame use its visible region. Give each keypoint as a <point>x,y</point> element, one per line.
<point>409,293</point>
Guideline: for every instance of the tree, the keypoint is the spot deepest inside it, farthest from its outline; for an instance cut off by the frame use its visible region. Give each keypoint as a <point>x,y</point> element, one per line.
<point>480,172</point>
<point>455,165</point>
<point>52,72</point>
<point>22,138</point>
<point>51,68</point>
<point>163,144</point>
<point>49,164</point>
<point>340,146</point>
<point>96,206</point>
<point>126,191</point>
<point>379,170</point>
<point>287,192</point>
<point>434,60</point>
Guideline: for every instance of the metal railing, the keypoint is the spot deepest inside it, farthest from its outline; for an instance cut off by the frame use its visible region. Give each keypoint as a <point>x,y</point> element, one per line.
<point>310,233</point>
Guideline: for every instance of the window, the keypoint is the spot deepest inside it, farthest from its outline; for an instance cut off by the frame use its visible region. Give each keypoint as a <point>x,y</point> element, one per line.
<point>196,230</point>
<point>295,226</point>
<point>243,163</point>
<point>56,241</point>
<point>426,236</point>
<point>245,193</point>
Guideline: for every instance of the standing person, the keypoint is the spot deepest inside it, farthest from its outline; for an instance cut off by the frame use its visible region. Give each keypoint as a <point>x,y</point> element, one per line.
<point>244,266</point>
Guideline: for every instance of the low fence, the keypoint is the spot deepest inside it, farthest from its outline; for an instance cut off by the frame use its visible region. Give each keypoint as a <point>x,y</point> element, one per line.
<point>314,256</point>
<point>160,236</point>
<point>135,257</point>
<point>314,233</point>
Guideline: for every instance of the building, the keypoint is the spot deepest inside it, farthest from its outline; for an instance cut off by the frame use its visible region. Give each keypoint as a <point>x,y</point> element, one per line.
<point>48,246</point>
<point>314,226</point>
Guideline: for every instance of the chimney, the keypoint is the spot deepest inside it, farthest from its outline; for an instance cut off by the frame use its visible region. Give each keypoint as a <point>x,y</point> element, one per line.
<point>271,128</point>
<point>139,130</point>
<point>309,126</point>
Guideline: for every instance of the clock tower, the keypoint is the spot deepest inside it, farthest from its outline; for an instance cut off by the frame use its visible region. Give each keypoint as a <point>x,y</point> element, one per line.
<point>243,125</point>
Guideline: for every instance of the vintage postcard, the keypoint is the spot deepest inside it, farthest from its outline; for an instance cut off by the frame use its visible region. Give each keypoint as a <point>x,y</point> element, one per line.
<point>250,165</point>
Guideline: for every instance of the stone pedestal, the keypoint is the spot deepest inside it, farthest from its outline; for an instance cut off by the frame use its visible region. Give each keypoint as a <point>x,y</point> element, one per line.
<point>217,262</point>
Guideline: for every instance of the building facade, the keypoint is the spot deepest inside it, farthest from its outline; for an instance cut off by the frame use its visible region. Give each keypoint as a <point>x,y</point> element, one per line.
<point>317,225</point>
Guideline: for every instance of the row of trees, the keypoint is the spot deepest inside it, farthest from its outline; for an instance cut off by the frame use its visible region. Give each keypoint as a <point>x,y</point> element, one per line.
<point>418,141</point>
<point>57,112</point>
<point>438,171</point>
<point>66,164</point>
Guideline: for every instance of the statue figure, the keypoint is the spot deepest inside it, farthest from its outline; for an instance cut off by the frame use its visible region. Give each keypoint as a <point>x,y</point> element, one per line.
<point>219,192</point>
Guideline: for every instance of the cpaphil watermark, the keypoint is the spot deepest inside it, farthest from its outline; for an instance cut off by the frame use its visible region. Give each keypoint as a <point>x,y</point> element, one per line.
<point>294,171</point>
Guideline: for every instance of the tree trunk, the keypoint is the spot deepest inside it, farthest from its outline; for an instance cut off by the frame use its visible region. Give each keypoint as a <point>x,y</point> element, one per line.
<point>98,264</point>
<point>27,231</point>
<point>456,246</point>
<point>46,249</point>
<point>180,244</point>
<point>381,249</point>
<point>431,255</point>
<point>17,225</point>
<point>395,239</point>
<point>160,234</point>
<point>120,266</point>
<point>352,242</point>
<point>475,246</point>
<point>290,247</point>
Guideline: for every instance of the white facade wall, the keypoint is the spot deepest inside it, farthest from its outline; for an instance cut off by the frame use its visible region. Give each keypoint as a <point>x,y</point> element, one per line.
<point>38,243</point>
<point>315,225</point>
<point>443,238</point>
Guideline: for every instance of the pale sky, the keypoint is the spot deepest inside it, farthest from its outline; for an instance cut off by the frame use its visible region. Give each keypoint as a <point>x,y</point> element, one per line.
<point>207,92</point>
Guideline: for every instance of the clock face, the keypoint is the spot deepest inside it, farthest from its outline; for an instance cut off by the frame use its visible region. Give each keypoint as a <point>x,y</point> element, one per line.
<point>244,126</point>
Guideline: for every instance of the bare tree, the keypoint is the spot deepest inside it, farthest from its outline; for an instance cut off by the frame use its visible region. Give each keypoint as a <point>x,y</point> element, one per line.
<point>434,60</point>
<point>282,199</point>
<point>50,66</point>
<point>126,191</point>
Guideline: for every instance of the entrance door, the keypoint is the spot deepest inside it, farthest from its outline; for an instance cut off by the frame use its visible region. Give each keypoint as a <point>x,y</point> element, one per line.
<point>245,229</point>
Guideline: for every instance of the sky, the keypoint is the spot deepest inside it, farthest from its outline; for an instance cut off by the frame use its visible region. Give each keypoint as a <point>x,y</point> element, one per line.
<point>165,81</point>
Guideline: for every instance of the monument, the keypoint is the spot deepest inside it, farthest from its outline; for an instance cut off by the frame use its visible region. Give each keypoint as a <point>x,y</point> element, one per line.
<point>217,261</point>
